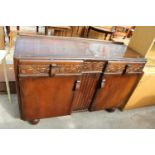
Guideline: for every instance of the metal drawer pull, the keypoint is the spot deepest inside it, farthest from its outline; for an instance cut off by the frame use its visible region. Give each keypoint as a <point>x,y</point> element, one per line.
<point>76,85</point>
<point>103,83</point>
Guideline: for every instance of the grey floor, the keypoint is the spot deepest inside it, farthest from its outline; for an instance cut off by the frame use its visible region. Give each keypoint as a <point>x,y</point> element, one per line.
<point>137,118</point>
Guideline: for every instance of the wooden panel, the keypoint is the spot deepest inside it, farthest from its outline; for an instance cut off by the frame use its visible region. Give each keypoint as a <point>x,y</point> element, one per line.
<point>66,67</point>
<point>93,66</point>
<point>46,97</point>
<point>135,67</point>
<point>115,67</point>
<point>36,68</point>
<point>88,82</point>
<point>115,91</point>
<point>41,47</point>
<point>122,67</point>
<point>84,94</point>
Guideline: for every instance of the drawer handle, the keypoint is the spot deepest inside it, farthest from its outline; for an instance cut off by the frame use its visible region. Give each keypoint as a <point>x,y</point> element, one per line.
<point>103,83</point>
<point>77,85</point>
<point>54,69</point>
<point>125,69</point>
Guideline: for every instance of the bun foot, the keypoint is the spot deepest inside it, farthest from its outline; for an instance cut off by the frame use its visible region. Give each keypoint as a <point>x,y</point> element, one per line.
<point>110,110</point>
<point>34,122</point>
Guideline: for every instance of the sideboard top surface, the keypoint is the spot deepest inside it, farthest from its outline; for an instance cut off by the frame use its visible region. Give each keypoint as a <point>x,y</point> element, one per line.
<point>44,47</point>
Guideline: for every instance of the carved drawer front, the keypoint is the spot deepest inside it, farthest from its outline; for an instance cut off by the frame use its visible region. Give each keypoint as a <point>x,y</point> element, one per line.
<point>115,67</point>
<point>66,67</point>
<point>93,66</point>
<point>49,68</point>
<point>135,67</point>
<point>34,70</point>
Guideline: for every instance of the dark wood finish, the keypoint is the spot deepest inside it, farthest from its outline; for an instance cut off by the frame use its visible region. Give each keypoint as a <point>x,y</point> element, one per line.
<point>84,94</point>
<point>115,92</point>
<point>34,78</point>
<point>121,67</point>
<point>58,75</point>
<point>46,97</point>
<point>73,49</point>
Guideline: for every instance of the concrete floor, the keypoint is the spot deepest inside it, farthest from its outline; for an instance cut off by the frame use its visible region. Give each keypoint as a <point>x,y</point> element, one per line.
<point>137,118</point>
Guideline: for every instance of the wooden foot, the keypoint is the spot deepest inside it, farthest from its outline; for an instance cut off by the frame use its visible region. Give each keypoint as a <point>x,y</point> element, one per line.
<point>34,122</point>
<point>110,110</point>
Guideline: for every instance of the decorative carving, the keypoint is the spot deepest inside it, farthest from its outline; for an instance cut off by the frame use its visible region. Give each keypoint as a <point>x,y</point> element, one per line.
<point>34,69</point>
<point>115,67</point>
<point>66,68</point>
<point>118,67</point>
<point>93,66</point>
<point>76,68</point>
<point>135,68</point>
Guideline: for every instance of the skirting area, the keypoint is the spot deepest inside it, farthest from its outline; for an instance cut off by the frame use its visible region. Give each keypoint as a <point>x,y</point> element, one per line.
<point>137,118</point>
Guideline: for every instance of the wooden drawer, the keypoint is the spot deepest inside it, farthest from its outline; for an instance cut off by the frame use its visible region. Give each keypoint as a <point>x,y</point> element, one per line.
<point>58,67</point>
<point>36,68</point>
<point>135,67</point>
<point>118,67</point>
<point>66,67</point>
<point>115,67</point>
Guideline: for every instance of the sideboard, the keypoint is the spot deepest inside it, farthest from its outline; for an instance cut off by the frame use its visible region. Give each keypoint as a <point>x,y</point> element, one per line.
<point>56,76</point>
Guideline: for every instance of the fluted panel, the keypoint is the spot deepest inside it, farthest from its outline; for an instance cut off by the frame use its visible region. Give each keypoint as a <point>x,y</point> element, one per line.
<point>83,96</point>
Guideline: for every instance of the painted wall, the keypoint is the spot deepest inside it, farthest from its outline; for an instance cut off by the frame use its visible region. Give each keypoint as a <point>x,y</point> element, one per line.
<point>142,39</point>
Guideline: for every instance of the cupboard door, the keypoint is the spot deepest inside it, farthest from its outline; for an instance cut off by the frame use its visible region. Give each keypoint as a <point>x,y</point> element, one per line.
<point>85,91</point>
<point>46,96</point>
<point>91,72</point>
<point>115,91</point>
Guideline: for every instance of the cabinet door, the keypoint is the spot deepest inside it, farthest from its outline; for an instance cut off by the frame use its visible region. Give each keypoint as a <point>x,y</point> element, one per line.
<point>46,97</point>
<point>47,91</point>
<point>87,85</point>
<point>115,91</point>
<point>119,81</point>
<point>85,92</point>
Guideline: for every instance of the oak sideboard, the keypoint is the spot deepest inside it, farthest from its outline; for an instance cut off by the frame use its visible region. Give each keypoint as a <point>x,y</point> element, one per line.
<point>56,76</point>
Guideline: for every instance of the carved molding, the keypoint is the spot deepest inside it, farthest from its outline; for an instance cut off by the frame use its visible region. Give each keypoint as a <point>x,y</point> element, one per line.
<point>93,66</point>
<point>33,69</point>
<point>66,68</point>
<point>133,68</point>
<point>115,67</point>
<point>76,68</point>
<point>61,68</point>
